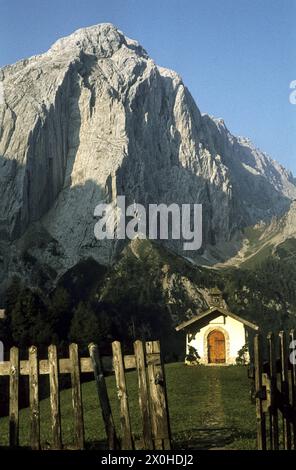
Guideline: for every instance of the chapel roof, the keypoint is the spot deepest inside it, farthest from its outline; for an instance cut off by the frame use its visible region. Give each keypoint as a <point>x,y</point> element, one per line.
<point>220,311</point>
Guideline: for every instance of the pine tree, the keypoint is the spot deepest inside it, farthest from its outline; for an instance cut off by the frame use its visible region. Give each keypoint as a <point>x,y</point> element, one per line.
<point>61,312</point>
<point>85,326</point>
<point>29,322</point>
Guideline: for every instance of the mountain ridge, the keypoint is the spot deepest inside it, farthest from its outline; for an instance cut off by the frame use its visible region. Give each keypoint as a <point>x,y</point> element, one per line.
<point>94,117</point>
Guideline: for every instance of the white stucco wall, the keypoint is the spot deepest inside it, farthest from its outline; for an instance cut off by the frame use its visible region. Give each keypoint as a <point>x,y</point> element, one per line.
<point>233,330</point>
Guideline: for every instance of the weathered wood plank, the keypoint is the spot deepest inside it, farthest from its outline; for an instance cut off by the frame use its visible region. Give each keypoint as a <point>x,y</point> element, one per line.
<point>143,394</point>
<point>260,416</point>
<point>285,390</point>
<point>76,397</point>
<point>43,367</point>
<point>158,400</point>
<point>103,396</point>
<point>85,365</point>
<point>65,366</point>
<point>5,368</point>
<point>54,398</point>
<point>14,398</point>
<point>273,413</point>
<point>129,362</point>
<point>24,367</point>
<point>34,399</point>
<point>118,364</point>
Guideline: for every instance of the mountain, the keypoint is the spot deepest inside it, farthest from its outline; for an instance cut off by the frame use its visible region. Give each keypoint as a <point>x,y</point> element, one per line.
<point>93,118</point>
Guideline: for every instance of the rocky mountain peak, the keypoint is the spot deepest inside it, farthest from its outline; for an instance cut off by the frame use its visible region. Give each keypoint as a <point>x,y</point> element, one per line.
<point>95,117</point>
<point>101,40</point>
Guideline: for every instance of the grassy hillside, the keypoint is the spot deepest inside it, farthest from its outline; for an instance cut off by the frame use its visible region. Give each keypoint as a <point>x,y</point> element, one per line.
<point>208,406</point>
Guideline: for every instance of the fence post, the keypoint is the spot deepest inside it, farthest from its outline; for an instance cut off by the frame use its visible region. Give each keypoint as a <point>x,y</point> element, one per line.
<point>260,416</point>
<point>158,400</point>
<point>54,397</point>
<point>1,351</point>
<point>143,394</point>
<point>14,397</point>
<point>103,396</point>
<point>273,414</point>
<point>285,390</point>
<point>34,398</point>
<point>118,364</point>
<point>76,396</point>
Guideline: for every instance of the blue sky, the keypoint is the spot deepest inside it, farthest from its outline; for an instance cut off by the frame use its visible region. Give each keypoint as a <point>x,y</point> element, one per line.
<point>237,57</point>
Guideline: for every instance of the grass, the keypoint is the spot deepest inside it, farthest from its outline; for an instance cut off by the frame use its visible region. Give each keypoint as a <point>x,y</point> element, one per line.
<point>209,407</point>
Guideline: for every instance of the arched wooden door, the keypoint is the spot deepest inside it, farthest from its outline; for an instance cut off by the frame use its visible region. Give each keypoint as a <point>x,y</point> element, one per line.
<point>216,347</point>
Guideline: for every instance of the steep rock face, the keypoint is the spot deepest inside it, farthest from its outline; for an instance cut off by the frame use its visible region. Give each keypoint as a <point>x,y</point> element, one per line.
<point>95,117</point>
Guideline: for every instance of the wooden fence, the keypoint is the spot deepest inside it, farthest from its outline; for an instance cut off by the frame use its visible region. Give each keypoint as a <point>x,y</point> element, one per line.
<point>151,387</point>
<point>275,391</point>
